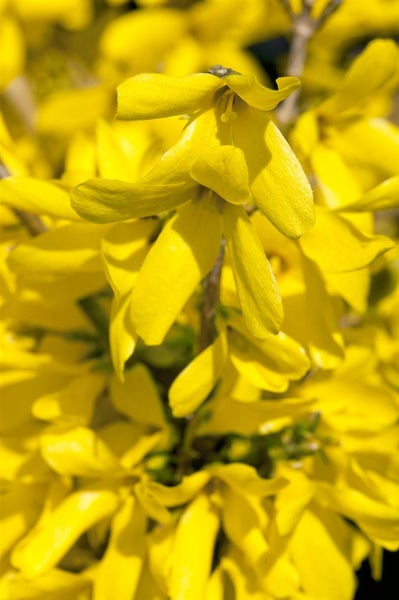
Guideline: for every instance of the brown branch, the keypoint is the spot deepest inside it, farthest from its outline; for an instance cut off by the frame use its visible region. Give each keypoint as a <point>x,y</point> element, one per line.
<point>211,287</point>
<point>303,29</point>
<point>32,223</point>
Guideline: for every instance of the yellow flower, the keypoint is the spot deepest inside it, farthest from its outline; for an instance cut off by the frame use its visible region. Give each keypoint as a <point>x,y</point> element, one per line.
<point>246,160</point>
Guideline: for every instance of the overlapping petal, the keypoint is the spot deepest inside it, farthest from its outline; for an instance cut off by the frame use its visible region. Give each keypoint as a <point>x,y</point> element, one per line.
<point>183,254</point>
<point>278,184</point>
<point>256,286</point>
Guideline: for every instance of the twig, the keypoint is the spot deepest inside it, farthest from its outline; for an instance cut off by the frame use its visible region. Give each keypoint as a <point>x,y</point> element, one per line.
<point>33,223</point>
<point>211,293</point>
<point>303,29</point>
<point>211,287</point>
<point>20,96</point>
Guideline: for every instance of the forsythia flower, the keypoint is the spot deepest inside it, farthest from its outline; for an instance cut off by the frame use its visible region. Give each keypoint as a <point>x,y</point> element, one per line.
<point>236,168</point>
<point>199,368</point>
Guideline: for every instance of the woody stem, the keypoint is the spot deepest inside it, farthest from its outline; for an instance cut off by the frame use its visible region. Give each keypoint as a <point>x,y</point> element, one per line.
<point>211,292</point>
<point>303,29</point>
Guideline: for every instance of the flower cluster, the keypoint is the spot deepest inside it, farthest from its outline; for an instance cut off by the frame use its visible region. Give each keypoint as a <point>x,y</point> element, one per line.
<point>199,298</point>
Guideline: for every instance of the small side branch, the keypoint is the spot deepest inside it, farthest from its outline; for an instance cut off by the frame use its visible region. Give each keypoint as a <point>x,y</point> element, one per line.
<point>33,223</point>
<point>303,29</point>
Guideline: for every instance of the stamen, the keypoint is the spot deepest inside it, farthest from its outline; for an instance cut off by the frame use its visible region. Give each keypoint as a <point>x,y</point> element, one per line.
<point>228,113</point>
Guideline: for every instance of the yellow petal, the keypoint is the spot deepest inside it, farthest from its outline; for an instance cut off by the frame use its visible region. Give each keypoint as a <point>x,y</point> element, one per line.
<point>112,162</point>
<point>256,285</point>
<point>259,96</point>
<point>317,330</point>
<point>166,186</point>
<point>154,95</point>
<point>121,565</point>
<point>181,493</point>
<point>147,587</point>
<point>74,402</point>
<point>122,334</point>
<point>37,196</point>
<point>196,381</point>
<point>20,507</point>
<point>60,251</point>
<point>352,286</point>
<point>337,245</point>
<point>80,108</point>
<point>371,70</point>
<point>193,549</point>
<point>277,181</point>
<point>12,49</point>
<point>269,364</point>
<point>183,254</point>
<point>244,477</point>
<point>20,389</point>
<point>57,584</point>
<point>379,521</point>
<point>281,576</point>
<point>47,543</point>
<point>384,196</point>
<point>142,446</point>
<point>324,535</point>
<point>109,200</point>
<point>292,500</point>
<point>160,541</point>
<point>127,47</point>
<point>124,248</point>
<point>223,169</point>
<point>77,451</point>
<point>242,578</point>
<point>80,159</point>
<point>215,586</point>
<point>354,405</point>
<point>153,508</point>
<point>372,142</point>
<point>335,181</point>
<point>138,397</point>
<point>247,531</point>
<point>251,417</point>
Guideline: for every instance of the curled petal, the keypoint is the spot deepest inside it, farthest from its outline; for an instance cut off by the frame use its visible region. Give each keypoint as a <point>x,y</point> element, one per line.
<point>337,245</point>
<point>259,96</point>
<point>47,543</point>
